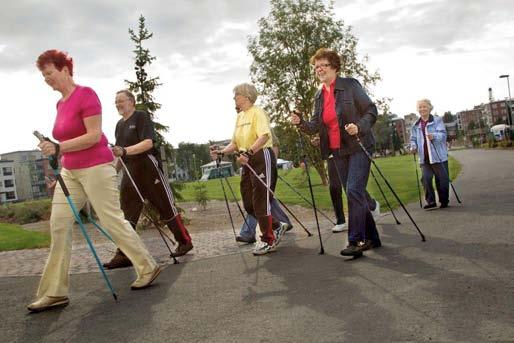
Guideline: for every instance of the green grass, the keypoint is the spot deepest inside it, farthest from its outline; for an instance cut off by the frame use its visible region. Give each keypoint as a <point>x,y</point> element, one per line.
<point>14,237</point>
<point>398,170</point>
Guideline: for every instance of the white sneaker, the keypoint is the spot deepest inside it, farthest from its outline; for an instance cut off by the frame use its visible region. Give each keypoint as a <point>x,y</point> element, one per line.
<point>376,211</point>
<point>339,228</point>
<point>279,233</point>
<point>262,248</point>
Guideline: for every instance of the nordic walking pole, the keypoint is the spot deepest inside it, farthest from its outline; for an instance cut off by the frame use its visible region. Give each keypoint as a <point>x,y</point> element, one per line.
<point>309,234</point>
<point>54,164</point>
<point>235,200</point>
<point>390,187</point>
<point>417,180</point>
<point>218,163</point>
<point>218,160</point>
<point>92,221</point>
<point>383,194</point>
<point>447,174</point>
<point>125,169</point>
<point>302,147</point>
<point>305,199</point>
<point>273,193</point>
<point>283,205</point>
<point>378,185</point>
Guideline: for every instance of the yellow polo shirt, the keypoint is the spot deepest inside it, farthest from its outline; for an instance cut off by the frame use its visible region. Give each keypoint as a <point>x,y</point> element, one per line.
<point>250,125</point>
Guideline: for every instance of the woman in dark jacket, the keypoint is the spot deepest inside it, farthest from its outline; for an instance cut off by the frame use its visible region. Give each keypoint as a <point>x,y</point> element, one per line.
<point>343,114</point>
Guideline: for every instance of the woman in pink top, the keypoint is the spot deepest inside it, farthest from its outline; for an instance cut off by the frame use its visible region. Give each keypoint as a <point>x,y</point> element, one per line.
<point>89,174</point>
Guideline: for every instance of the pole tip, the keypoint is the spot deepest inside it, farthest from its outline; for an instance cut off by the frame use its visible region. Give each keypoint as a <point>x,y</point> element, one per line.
<point>115,297</point>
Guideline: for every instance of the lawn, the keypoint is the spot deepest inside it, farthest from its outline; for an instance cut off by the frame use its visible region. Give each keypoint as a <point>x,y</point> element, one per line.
<point>398,170</point>
<point>14,237</point>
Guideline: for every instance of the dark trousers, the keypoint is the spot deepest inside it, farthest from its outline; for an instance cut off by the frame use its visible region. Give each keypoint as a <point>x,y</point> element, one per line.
<point>155,188</point>
<point>335,167</point>
<point>256,198</point>
<point>354,174</point>
<point>442,182</point>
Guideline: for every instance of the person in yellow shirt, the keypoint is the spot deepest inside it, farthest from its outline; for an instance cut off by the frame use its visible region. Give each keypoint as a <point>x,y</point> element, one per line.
<point>252,139</point>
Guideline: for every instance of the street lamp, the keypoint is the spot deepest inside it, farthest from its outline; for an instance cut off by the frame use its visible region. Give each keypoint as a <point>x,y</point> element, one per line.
<point>509,104</point>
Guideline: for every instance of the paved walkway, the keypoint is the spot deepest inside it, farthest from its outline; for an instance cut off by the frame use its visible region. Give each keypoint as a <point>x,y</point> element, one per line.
<point>206,245</point>
<point>458,286</point>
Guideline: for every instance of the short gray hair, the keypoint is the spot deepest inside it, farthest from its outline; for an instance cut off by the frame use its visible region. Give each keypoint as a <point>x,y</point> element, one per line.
<point>129,95</point>
<point>247,90</point>
<point>426,101</point>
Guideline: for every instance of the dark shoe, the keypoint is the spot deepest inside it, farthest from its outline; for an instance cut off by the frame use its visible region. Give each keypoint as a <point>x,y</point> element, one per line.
<point>369,244</point>
<point>430,207</point>
<point>249,240</point>
<point>46,303</point>
<point>443,205</point>
<point>183,248</point>
<point>146,279</point>
<point>118,261</point>
<point>353,249</point>
<point>289,227</point>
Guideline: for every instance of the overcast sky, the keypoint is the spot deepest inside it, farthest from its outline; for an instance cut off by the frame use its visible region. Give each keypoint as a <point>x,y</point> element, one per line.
<point>450,51</point>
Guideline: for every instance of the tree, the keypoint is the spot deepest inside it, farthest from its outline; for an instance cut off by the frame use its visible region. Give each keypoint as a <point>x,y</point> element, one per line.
<point>397,142</point>
<point>384,128</point>
<point>292,32</point>
<point>144,85</point>
<point>143,88</point>
<point>384,133</point>
<point>190,156</point>
<point>448,117</point>
<point>200,193</point>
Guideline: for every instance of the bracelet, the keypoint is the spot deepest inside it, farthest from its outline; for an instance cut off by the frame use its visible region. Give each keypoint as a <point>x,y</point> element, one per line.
<point>124,151</point>
<point>250,151</point>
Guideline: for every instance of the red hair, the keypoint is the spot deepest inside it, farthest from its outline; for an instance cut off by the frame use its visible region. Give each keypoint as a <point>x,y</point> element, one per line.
<point>59,59</point>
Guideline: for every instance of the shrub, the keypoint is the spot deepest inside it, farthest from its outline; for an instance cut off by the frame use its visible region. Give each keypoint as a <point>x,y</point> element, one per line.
<point>200,193</point>
<point>505,144</point>
<point>26,212</point>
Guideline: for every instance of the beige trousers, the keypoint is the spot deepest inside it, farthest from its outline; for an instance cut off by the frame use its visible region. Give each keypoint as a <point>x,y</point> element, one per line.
<point>97,184</point>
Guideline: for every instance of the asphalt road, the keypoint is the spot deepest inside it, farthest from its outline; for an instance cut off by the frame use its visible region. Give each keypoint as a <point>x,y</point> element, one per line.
<point>457,286</point>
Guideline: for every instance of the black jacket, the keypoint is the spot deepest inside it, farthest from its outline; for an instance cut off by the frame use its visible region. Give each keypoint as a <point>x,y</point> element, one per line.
<point>352,106</point>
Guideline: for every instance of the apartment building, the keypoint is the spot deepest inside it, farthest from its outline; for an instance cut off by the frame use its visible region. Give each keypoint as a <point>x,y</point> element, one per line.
<point>7,182</point>
<point>30,170</point>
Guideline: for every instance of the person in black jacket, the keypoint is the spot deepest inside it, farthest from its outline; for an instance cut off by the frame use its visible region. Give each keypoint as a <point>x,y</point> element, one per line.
<point>135,137</point>
<point>343,113</point>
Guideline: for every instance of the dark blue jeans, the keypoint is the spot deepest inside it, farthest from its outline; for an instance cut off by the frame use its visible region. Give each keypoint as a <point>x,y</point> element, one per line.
<point>354,174</point>
<point>442,182</point>
<point>335,167</point>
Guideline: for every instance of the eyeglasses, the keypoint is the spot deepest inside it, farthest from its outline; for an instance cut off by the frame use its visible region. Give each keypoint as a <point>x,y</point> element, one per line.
<point>320,66</point>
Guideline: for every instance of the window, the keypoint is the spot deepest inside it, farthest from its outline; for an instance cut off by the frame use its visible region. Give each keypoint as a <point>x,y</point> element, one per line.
<point>10,195</point>
<point>8,183</point>
<point>7,171</point>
